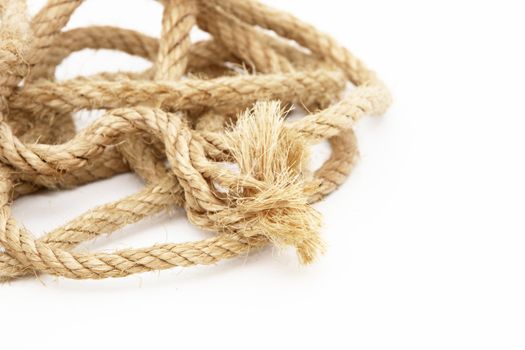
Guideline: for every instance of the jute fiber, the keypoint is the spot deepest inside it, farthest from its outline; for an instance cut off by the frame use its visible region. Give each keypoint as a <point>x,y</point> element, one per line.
<point>202,127</point>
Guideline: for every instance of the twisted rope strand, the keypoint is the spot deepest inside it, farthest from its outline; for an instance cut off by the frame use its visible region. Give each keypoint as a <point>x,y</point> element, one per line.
<point>202,127</point>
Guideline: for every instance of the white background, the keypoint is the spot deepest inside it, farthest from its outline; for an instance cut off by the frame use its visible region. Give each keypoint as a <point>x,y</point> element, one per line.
<point>426,239</point>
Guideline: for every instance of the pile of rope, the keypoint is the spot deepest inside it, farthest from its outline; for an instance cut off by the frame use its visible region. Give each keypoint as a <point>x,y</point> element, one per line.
<point>201,127</point>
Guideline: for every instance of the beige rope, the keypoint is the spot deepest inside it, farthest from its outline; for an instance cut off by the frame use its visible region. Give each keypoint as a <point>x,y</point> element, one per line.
<point>202,127</point>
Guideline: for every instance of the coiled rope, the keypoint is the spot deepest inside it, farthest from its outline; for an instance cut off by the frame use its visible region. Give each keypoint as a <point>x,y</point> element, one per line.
<point>172,125</point>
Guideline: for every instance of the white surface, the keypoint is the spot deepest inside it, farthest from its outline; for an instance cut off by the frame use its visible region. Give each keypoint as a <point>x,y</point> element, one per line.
<point>426,239</point>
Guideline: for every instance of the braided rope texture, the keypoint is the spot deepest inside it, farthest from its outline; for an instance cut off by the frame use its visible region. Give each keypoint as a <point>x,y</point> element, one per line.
<point>205,128</point>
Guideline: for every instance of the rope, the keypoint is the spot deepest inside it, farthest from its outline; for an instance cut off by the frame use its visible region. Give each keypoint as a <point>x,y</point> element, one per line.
<point>204,127</point>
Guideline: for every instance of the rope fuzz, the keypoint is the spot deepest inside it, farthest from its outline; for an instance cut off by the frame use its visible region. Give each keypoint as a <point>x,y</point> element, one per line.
<point>276,205</point>
<point>204,127</point>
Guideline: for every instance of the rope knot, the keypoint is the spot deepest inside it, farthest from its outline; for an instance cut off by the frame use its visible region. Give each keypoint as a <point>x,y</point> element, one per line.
<point>270,199</point>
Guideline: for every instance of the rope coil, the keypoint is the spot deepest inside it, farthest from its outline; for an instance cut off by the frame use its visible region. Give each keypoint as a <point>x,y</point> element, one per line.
<point>171,125</point>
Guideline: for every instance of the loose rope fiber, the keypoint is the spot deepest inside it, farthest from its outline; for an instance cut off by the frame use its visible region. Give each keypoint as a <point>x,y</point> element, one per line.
<point>202,127</point>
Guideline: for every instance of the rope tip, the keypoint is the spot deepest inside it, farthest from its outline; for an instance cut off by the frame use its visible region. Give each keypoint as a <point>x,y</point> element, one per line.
<point>276,204</point>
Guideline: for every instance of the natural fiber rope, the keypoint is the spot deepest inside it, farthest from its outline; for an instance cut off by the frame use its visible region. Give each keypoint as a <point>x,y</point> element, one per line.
<point>248,183</point>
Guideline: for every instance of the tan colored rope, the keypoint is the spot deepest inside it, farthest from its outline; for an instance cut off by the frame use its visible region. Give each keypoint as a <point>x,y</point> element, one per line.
<point>204,127</point>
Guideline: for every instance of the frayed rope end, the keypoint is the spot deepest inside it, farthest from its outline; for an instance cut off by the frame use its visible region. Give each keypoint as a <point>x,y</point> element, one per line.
<point>276,206</point>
